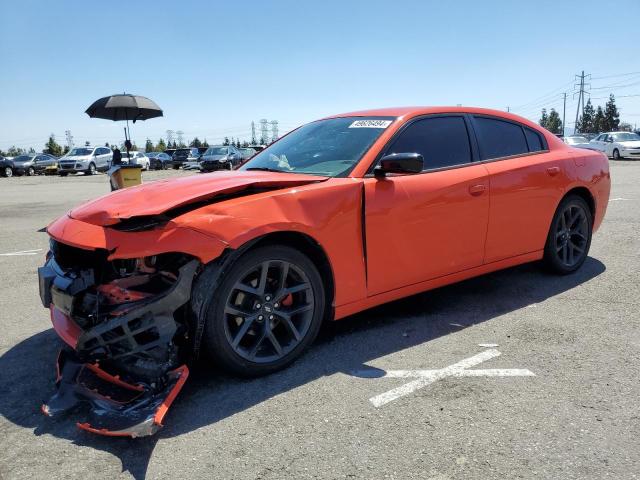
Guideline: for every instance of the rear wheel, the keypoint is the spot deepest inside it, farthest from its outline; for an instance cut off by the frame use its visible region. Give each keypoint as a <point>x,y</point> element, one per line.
<point>266,310</point>
<point>569,237</point>
<point>7,172</point>
<point>63,174</point>
<point>616,154</point>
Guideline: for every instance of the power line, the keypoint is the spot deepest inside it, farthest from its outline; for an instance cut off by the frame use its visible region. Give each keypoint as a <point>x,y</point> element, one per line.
<point>616,75</point>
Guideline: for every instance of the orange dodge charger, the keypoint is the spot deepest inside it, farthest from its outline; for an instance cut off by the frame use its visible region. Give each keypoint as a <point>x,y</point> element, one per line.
<point>338,216</point>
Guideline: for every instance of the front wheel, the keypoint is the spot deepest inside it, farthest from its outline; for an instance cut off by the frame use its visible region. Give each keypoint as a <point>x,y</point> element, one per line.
<point>266,310</point>
<point>31,171</point>
<point>569,237</point>
<point>92,169</point>
<point>7,172</point>
<point>616,154</point>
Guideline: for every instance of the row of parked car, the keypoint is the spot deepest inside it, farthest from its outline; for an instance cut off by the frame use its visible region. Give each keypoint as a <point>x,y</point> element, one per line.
<point>90,160</point>
<point>615,145</point>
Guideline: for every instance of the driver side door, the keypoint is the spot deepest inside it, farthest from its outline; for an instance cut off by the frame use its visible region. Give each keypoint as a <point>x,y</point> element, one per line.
<point>427,225</point>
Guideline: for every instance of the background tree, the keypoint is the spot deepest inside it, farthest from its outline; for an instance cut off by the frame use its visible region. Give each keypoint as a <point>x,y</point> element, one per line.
<point>14,152</point>
<point>226,141</point>
<point>544,119</point>
<point>205,144</point>
<point>32,150</point>
<point>245,144</point>
<point>554,124</point>
<point>585,124</point>
<point>52,147</point>
<point>65,150</point>
<point>611,115</point>
<point>598,121</point>
<point>148,146</point>
<point>195,142</point>
<point>161,146</point>
<point>625,127</point>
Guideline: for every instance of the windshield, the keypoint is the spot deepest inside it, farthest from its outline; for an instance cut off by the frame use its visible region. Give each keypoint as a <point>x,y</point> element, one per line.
<point>79,152</point>
<point>22,158</point>
<point>625,137</point>
<point>216,151</point>
<point>329,147</point>
<point>576,140</point>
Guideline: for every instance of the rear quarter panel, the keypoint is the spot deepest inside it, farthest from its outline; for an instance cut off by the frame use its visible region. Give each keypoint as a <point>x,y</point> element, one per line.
<point>590,169</point>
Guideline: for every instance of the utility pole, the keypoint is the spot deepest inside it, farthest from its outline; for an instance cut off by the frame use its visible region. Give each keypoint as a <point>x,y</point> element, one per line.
<point>169,138</point>
<point>67,134</point>
<point>580,94</point>
<point>253,133</point>
<point>180,134</point>
<point>274,130</point>
<point>564,111</point>
<point>508,109</point>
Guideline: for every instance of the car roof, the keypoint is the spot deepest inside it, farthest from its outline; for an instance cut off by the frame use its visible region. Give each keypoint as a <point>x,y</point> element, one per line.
<point>408,112</point>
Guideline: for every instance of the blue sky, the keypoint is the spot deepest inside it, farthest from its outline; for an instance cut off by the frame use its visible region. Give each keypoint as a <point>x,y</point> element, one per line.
<point>215,66</point>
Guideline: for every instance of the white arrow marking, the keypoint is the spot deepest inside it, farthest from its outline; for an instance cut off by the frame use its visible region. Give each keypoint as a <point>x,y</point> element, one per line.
<point>427,377</point>
<point>22,252</point>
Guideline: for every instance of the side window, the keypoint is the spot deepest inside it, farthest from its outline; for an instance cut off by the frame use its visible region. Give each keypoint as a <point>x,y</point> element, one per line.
<point>442,141</point>
<point>534,140</point>
<point>498,138</point>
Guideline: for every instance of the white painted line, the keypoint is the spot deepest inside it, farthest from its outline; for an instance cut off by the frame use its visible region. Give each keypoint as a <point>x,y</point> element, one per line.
<point>618,199</point>
<point>427,377</point>
<point>23,252</point>
<point>488,345</point>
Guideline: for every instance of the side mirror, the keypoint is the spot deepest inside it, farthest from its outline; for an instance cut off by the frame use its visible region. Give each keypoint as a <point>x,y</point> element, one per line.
<point>399,163</point>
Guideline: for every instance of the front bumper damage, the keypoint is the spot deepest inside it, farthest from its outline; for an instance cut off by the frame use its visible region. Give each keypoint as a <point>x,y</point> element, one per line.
<point>125,325</point>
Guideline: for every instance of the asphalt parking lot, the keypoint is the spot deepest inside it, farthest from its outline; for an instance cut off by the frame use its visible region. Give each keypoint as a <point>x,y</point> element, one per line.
<point>536,376</point>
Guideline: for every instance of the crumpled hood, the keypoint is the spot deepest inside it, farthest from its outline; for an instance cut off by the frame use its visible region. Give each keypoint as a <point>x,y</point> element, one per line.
<point>157,197</point>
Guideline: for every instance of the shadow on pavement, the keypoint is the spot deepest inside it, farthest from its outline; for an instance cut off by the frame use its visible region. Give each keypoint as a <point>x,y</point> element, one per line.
<point>26,370</point>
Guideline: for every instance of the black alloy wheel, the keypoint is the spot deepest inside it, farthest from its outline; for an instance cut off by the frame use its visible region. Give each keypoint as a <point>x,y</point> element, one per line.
<point>267,309</point>
<point>570,236</point>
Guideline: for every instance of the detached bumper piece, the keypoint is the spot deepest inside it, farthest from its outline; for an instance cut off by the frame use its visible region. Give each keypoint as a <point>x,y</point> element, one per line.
<point>113,407</point>
<point>123,364</point>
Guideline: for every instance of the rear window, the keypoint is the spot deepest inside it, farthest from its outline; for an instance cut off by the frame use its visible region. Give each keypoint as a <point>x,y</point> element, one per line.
<point>498,138</point>
<point>534,140</point>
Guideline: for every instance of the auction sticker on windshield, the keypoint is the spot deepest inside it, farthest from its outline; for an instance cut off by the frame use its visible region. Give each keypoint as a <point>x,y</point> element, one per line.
<point>370,124</point>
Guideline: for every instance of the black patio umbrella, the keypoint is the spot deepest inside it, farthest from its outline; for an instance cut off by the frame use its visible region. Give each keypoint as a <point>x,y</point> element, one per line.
<point>124,107</point>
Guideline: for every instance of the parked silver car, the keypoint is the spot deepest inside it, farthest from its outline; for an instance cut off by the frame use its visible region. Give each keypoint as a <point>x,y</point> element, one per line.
<point>617,144</point>
<point>85,159</point>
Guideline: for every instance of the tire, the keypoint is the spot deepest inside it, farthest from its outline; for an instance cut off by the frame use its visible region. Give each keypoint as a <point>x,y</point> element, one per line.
<point>7,172</point>
<point>243,326</point>
<point>30,172</point>
<point>569,240</point>
<point>63,174</point>
<point>91,170</point>
<point>616,154</point>
<point>176,167</point>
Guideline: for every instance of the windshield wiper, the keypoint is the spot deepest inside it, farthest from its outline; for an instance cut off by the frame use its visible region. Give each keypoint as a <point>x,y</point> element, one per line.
<point>266,169</point>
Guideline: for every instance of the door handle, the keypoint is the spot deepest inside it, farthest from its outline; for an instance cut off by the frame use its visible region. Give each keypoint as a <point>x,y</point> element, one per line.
<point>476,190</point>
<point>553,171</point>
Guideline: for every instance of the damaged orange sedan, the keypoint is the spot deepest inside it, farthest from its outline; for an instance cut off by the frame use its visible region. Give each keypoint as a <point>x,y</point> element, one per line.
<point>338,216</point>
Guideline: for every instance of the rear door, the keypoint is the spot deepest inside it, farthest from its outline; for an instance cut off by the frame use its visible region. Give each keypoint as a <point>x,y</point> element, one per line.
<point>430,224</point>
<point>526,181</point>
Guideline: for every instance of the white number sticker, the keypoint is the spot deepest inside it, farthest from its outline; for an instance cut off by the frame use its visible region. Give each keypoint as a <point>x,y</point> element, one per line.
<point>370,124</point>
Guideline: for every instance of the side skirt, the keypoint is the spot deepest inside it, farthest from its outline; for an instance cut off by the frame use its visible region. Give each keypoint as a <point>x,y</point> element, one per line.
<point>375,300</point>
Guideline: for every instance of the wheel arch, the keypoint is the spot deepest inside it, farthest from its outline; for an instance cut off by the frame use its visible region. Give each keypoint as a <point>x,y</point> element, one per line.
<point>586,195</point>
<point>309,247</point>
